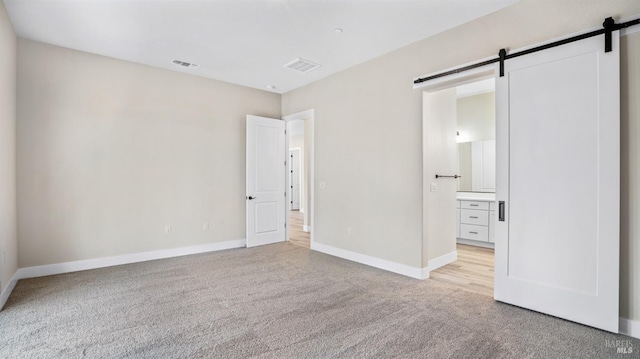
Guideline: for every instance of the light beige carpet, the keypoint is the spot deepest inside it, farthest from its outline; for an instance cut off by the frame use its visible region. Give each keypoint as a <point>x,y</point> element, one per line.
<point>276,301</point>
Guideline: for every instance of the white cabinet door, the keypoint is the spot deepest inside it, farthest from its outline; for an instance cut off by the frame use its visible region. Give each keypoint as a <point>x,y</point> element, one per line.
<point>266,158</point>
<point>558,156</point>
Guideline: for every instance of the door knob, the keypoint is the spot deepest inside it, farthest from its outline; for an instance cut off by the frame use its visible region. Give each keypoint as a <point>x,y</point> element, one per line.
<point>250,197</point>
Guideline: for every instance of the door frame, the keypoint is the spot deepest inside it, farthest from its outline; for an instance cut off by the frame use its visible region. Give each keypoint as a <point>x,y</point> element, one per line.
<point>308,115</point>
<point>443,83</point>
<point>300,171</point>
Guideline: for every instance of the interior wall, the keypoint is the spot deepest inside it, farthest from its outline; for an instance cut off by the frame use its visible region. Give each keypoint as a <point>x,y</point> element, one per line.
<point>8,232</point>
<point>110,152</point>
<point>439,157</point>
<point>369,130</point>
<point>477,117</point>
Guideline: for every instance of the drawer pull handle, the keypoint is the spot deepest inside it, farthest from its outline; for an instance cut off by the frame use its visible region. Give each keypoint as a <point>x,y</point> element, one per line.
<point>473,205</point>
<point>473,232</point>
<point>473,217</point>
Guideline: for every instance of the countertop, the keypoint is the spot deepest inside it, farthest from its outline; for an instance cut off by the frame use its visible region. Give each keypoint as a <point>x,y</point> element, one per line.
<point>477,196</point>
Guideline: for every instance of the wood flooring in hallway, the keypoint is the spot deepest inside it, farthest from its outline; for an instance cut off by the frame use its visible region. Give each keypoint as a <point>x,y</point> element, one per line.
<point>296,234</point>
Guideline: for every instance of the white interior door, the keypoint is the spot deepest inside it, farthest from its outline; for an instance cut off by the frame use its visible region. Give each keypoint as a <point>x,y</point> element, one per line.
<point>294,179</point>
<point>558,174</point>
<point>266,196</point>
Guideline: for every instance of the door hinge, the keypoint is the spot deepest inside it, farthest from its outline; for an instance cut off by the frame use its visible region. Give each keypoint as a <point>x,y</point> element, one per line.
<point>285,163</point>
<point>285,194</point>
<point>285,225</point>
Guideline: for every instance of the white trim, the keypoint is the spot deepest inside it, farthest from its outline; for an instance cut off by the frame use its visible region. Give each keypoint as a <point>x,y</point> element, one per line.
<point>461,78</point>
<point>630,327</point>
<point>67,267</point>
<point>438,262</point>
<point>308,115</point>
<point>442,261</point>
<point>629,30</point>
<point>471,242</point>
<point>7,291</point>
<point>379,263</point>
<point>306,228</point>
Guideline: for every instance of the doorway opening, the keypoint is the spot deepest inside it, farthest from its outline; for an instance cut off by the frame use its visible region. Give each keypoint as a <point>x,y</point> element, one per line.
<point>466,183</point>
<point>300,178</point>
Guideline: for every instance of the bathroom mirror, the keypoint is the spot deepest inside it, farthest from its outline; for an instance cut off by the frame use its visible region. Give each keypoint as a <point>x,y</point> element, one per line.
<point>476,138</point>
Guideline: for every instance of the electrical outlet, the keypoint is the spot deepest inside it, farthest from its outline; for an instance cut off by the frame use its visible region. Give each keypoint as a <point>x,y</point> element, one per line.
<point>323,185</point>
<point>168,230</point>
<point>434,187</point>
<point>349,231</point>
<point>205,226</point>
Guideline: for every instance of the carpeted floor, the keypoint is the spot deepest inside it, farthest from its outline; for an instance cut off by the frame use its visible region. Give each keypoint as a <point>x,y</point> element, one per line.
<point>276,301</point>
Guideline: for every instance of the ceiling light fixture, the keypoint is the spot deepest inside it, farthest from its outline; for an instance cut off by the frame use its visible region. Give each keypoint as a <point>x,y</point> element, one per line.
<point>271,87</point>
<point>337,30</point>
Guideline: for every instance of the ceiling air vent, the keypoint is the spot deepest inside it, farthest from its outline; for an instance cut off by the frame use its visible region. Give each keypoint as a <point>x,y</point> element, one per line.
<point>302,65</point>
<point>184,63</point>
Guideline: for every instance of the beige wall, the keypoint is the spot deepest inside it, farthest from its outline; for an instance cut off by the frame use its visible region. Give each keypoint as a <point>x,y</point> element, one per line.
<point>8,234</point>
<point>369,130</point>
<point>109,152</point>
<point>439,154</point>
<point>477,117</point>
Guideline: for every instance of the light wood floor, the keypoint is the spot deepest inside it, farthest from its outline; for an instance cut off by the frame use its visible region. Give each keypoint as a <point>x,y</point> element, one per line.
<point>296,234</point>
<point>473,271</point>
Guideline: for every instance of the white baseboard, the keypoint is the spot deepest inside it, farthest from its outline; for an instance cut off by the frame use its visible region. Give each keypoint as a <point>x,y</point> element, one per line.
<point>384,264</point>
<point>439,262</point>
<point>630,327</point>
<point>67,267</point>
<point>471,242</point>
<point>306,228</point>
<point>442,260</point>
<point>7,291</point>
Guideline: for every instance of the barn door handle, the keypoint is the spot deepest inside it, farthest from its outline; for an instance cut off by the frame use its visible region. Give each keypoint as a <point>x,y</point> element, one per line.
<point>501,211</point>
<point>250,197</point>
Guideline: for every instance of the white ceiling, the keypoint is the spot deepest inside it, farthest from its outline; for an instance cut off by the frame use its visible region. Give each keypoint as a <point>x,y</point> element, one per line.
<point>245,42</point>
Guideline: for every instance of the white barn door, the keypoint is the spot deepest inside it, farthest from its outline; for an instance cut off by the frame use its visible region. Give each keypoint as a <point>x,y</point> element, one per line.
<point>558,175</point>
<point>266,194</point>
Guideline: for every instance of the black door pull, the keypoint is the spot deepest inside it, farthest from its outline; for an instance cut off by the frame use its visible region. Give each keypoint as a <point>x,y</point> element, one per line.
<point>250,197</point>
<point>501,211</point>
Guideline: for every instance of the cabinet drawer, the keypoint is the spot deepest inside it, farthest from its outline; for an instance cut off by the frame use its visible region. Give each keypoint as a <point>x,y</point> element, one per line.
<point>476,233</point>
<point>474,216</point>
<point>474,205</point>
